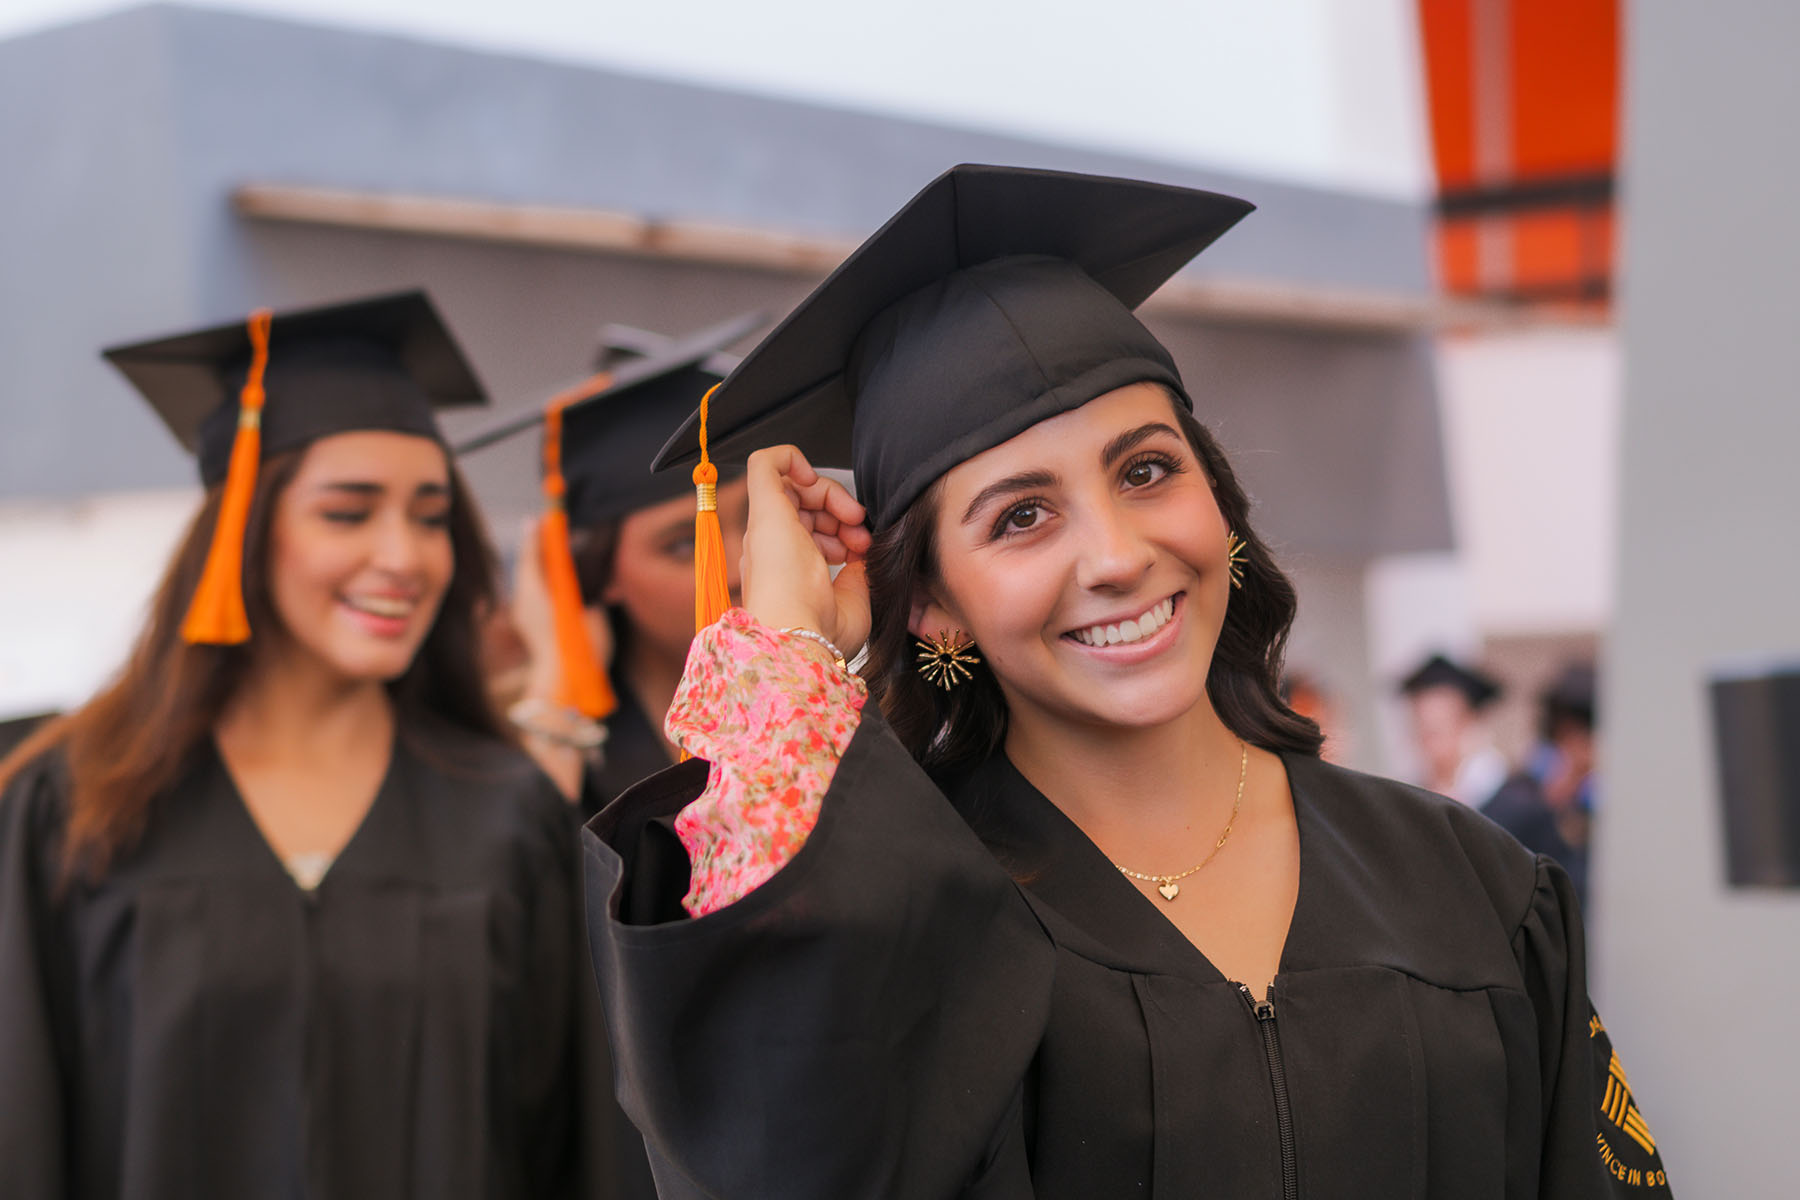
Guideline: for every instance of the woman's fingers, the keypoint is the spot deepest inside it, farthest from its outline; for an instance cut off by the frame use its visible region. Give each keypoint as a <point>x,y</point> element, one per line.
<point>828,497</point>
<point>779,465</point>
<point>803,524</point>
<point>856,538</point>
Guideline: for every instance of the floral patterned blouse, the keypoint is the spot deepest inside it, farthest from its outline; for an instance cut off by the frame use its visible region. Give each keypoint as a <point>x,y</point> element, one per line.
<point>773,716</point>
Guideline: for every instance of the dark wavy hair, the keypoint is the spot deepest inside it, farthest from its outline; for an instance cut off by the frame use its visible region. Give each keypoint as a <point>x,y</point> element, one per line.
<point>132,742</point>
<point>950,730</point>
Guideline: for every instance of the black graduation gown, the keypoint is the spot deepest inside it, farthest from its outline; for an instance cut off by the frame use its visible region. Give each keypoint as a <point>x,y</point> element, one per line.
<point>634,751</point>
<point>197,1025</point>
<point>894,1014</point>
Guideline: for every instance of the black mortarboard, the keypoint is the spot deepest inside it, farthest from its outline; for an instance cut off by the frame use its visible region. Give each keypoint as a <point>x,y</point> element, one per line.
<point>1438,671</point>
<point>380,363</point>
<point>997,297</point>
<point>608,444</point>
<point>614,423</point>
<point>1571,695</point>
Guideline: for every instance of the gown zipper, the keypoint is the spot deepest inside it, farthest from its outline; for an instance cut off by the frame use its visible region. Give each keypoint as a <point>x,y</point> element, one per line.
<point>1264,1012</point>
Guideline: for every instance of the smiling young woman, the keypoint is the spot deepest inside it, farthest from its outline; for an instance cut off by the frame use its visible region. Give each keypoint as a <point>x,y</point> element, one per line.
<point>281,909</point>
<point>1080,912</point>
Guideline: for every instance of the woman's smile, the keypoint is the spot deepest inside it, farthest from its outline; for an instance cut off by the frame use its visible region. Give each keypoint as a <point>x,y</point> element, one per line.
<point>1137,632</point>
<point>382,615</point>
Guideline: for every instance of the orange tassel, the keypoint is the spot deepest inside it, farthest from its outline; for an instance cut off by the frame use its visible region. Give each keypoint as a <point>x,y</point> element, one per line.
<point>585,686</point>
<point>215,615</point>
<point>712,583</point>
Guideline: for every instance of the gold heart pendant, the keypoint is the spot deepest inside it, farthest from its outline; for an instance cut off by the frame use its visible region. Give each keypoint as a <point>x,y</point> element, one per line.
<point>1169,890</point>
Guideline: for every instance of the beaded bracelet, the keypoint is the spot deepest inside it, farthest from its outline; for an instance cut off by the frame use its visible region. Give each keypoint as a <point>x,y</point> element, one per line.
<point>573,730</point>
<point>812,635</point>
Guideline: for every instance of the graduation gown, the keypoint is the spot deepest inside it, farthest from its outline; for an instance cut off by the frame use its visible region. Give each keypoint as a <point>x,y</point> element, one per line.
<point>197,1025</point>
<point>634,750</point>
<point>966,999</point>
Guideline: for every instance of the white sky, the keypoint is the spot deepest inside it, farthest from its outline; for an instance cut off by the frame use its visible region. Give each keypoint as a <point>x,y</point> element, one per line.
<point>1316,91</point>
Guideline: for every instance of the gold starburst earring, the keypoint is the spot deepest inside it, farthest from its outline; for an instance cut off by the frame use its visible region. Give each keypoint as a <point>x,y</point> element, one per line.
<point>945,660</point>
<point>1234,558</point>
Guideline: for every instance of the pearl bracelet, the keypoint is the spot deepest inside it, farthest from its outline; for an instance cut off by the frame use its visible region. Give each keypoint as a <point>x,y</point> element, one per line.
<point>813,635</point>
<point>571,729</point>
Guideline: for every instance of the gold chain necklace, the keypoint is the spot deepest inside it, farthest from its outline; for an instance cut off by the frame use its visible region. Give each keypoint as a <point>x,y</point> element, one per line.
<point>1166,884</point>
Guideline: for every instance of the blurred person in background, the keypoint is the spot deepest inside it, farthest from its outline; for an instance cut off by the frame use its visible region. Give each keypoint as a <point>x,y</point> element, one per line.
<point>283,910</point>
<point>602,610</point>
<point>627,605</point>
<point>1309,697</point>
<point>1565,763</point>
<point>1448,705</point>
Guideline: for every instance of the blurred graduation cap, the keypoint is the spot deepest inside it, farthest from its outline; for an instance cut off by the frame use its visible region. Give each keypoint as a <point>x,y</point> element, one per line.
<point>622,343</point>
<point>612,423</point>
<point>235,394</point>
<point>599,439</point>
<point>1571,696</point>
<point>386,362</point>
<point>1437,671</point>
<point>997,297</point>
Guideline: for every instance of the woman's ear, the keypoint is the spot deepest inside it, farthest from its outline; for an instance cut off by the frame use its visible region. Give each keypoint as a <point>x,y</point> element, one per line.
<point>929,617</point>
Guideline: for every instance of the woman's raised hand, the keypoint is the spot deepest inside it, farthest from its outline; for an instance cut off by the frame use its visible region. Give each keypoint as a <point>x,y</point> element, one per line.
<point>801,525</point>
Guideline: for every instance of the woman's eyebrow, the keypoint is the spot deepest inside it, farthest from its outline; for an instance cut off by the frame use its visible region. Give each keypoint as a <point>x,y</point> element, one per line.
<point>679,527</point>
<point>371,490</point>
<point>353,487</point>
<point>1126,442</point>
<point>1023,481</point>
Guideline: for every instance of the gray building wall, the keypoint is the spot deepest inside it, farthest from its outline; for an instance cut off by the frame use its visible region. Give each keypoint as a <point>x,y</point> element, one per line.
<point>1700,984</point>
<point>131,130</point>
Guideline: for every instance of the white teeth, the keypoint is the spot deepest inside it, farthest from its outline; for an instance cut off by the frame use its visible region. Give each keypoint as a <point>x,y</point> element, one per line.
<point>381,606</point>
<point>1128,631</point>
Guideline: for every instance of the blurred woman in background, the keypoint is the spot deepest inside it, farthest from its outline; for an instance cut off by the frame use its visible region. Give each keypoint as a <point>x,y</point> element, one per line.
<point>282,909</point>
<point>631,543</point>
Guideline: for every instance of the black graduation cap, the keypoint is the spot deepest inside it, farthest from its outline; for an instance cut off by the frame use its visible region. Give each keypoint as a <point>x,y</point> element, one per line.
<point>997,297</point>
<point>614,422</point>
<point>384,362</point>
<point>1572,696</point>
<point>1438,671</point>
<point>608,444</point>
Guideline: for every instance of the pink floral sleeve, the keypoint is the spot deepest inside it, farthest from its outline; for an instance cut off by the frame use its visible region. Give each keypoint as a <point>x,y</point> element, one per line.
<point>773,715</point>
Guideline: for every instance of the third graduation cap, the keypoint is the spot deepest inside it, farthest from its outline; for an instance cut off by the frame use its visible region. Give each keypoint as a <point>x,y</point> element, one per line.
<point>997,297</point>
